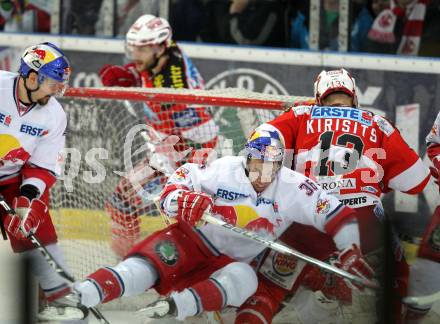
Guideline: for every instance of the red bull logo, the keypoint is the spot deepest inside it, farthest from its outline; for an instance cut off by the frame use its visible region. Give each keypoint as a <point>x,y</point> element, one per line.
<point>245,217</point>
<point>40,53</point>
<point>11,150</point>
<point>284,265</point>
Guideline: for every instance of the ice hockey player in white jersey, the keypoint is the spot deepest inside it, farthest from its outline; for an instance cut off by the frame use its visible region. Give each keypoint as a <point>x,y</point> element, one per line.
<point>423,279</point>
<point>32,133</point>
<point>204,267</point>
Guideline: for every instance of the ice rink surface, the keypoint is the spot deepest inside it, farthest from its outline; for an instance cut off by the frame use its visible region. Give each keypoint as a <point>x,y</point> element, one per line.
<point>10,301</point>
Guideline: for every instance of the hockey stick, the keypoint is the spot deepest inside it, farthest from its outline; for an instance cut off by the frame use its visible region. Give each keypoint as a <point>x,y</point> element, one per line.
<point>50,259</point>
<point>287,250</point>
<point>422,300</point>
<point>282,249</point>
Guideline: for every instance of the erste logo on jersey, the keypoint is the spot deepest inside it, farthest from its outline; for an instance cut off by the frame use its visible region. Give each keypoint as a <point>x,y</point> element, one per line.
<point>32,130</point>
<point>230,195</point>
<point>361,116</point>
<point>5,119</point>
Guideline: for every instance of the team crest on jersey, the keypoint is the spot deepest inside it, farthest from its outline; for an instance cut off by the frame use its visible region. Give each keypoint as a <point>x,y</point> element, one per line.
<point>301,110</point>
<point>384,125</point>
<point>180,174</point>
<point>167,252</point>
<point>5,119</point>
<point>284,265</point>
<point>370,189</point>
<point>361,116</point>
<point>434,239</point>
<point>322,206</point>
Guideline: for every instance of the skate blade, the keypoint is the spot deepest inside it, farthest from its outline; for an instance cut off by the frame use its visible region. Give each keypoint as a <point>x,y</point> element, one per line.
<point>159,310</point>
<point>52,313</point>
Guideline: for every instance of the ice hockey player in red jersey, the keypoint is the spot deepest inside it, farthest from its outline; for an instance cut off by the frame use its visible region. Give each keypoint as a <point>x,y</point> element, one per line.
<point>156,62</point>
<point>356,156</point>
<point>425,271</point>
<point>204,267</point>
<point>32,134</point>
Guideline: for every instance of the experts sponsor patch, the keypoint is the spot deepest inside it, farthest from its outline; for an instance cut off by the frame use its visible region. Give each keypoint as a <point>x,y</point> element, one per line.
<point>167,252</point>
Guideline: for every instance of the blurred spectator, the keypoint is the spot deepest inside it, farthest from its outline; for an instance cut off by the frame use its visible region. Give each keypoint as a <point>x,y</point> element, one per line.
<point>127,11</point>
<point>248,22</point>
<point>405,27</point>
<point>363,21</point>
<point>328,28</point>
<point>186,19</point>
<point>25,16</point>
<point>215,19</point>
<point>79,17</point>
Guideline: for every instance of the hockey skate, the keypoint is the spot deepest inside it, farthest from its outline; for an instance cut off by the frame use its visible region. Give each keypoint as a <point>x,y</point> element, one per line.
<point>162,308</point>
<point>65,308</point>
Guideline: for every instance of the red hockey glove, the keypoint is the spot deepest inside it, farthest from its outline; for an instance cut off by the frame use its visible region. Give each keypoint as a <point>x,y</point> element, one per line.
<point>114,75</point>
<point>28,218</point>
<point>192,205</point>
<point>333,286</point>
<point>351,260</point>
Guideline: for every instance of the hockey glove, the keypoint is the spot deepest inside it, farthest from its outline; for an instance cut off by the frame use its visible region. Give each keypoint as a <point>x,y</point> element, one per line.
<point>351,260</point>
<point>28,218</point>
<point>192,205</point>
<point>114,75</point>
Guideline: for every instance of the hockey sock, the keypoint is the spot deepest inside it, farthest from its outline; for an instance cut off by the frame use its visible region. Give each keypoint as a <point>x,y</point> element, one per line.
<point>108,283</point>
<point>50,281</point>
<point>207,295</point>
<point>259,309</point>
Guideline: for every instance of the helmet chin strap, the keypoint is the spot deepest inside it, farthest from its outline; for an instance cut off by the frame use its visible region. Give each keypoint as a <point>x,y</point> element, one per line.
<point>29,91</point>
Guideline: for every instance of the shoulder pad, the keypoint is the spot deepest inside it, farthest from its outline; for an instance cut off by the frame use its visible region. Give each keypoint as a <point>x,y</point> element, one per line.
<point>384,125</point>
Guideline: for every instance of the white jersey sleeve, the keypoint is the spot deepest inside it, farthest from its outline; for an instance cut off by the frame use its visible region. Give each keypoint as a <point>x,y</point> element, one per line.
<point>434,135</point>
<point>311,205</point>
<point>49,146</point>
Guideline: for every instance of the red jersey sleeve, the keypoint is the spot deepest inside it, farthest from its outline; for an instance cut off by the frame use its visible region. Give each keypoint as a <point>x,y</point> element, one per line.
<point>403,169</point>
<point>286,124</point>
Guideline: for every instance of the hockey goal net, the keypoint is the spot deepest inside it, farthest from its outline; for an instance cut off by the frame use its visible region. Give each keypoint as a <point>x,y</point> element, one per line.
<point>100,140</point>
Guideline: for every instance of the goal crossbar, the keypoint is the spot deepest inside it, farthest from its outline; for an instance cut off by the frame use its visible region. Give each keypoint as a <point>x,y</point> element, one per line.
<point>228,97</point>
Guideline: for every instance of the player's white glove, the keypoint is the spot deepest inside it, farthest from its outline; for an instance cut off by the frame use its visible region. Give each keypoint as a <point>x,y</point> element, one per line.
<point>29,215</point>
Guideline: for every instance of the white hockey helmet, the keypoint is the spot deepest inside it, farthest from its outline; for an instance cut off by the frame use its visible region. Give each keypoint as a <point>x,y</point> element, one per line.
<point>149,30</point>
<point>334,81</point>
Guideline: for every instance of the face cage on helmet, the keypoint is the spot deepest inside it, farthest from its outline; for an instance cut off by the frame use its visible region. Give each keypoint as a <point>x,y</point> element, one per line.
<point>266,153</point>
<point>53,84</point>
